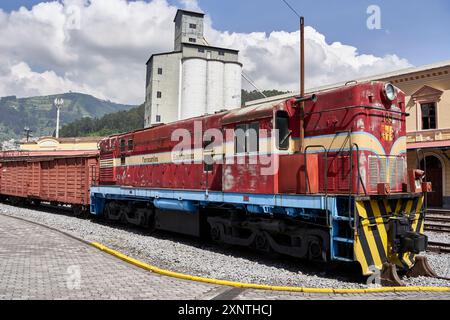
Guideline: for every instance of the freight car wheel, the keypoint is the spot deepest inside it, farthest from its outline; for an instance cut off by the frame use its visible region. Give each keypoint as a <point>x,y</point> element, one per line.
<point>79,211</point>
<point>17,202</point>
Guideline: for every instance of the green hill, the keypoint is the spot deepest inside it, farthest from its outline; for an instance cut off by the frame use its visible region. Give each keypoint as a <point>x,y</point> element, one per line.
<point>133,119</point>
<point>39,113</point>
<point>122,121</point>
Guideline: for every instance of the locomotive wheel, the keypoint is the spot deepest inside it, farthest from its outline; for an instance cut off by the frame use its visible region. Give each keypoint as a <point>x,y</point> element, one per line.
<point>315,251</point>
<point>261,242</point>
<point>108,212</point>
<point>216,234</point>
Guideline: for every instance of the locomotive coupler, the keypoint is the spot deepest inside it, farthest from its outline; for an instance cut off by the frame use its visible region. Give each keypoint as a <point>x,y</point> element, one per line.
<point>405,239</point>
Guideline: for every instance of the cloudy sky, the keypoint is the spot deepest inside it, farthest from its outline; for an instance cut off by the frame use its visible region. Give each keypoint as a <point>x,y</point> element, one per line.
<point>100,47</point>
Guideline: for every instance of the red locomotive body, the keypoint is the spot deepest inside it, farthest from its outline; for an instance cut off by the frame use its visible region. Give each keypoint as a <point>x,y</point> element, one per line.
<point>59,177</point>
<point>355,132</point>
<point>246,177</point>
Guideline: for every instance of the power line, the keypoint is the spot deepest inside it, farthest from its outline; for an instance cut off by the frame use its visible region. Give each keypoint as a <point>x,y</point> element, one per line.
<point>292,9</point>
<point>247,78</point>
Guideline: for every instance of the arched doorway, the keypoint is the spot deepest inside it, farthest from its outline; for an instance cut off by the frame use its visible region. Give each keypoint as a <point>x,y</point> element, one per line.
<point>434,175</point>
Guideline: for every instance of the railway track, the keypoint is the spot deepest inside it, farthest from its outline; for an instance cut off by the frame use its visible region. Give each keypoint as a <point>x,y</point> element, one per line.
<point>440,212</point>
<point>437,227</point>
<point>437,220</point>
<point>440,247</point>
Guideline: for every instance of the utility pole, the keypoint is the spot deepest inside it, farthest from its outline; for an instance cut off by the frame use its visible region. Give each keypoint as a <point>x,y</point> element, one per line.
<point>302,73</point>
<point>59,102</point>
<point>27,131</point>
<point>302,81</point>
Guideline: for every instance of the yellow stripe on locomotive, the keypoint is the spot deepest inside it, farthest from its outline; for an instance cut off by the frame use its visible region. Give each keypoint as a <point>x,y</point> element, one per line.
<point>388,231</point>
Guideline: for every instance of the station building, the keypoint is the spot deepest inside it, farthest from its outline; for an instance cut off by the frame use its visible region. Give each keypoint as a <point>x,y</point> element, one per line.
<point>427,91</point>
<point>61,144</point>
<point>194,79</point>
<point>428,125</point>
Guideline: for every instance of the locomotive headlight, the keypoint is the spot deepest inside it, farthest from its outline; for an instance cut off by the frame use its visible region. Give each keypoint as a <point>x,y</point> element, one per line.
<point>389,92</point>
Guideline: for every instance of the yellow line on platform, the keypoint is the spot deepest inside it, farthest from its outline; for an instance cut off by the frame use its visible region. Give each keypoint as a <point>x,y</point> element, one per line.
<point>183,276</point>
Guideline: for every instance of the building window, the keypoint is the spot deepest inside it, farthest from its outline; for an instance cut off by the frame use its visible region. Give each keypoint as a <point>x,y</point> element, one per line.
<point>428,115</point>
<point>159,94</point>
<point>192,26</point>
<point>192,40</point>
<point>201,50</point>
<point>159,70</point>
<point>221,53</point>
<point>158,118</point>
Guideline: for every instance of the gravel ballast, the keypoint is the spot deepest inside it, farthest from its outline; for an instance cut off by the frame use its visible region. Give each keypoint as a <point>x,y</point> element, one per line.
<point>192,256</point>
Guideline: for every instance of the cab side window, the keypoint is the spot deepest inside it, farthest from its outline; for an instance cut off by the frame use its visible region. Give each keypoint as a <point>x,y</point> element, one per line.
<point>253,137</point>
<point>246,138</point>
<point>239,139</point>
<point>282,125</point>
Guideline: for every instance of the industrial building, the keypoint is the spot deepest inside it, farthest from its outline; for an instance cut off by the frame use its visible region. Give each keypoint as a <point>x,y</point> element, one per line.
<point>194,79</point>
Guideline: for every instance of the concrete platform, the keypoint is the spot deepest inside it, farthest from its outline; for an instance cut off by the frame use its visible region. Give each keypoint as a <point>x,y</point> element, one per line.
<point>39,263</point>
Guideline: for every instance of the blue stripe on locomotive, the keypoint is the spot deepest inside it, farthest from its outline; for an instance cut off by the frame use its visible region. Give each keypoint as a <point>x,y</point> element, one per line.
<point>279,204</point>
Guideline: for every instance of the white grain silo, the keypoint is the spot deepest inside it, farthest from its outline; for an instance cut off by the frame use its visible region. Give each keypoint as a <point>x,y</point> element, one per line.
<point>214,86</point>
<point>232,85</point>
<point>193,87</point>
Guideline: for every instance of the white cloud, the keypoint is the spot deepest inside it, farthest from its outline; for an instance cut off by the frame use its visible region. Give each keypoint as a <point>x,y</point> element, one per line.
<point>42,53</point>
<point>272,60</point>
<point>191,5</point>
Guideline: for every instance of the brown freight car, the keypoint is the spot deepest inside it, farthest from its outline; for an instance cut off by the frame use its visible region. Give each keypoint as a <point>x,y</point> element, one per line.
<point>58,177</point>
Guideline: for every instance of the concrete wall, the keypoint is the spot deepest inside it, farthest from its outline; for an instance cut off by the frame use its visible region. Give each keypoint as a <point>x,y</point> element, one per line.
<point>183,31</point>
<point>168,84</point>
<point>209,53</point>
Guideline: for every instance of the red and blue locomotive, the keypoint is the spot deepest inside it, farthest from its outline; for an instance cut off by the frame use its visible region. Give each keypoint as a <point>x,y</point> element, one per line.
<point>322,177</point>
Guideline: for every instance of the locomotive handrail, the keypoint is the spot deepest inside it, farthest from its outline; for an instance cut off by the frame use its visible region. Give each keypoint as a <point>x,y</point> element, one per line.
<point>350,189</point>
<point>354,107</point>
<point>360,181</point>
<point>325,177</point>
<point>424,158</point>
